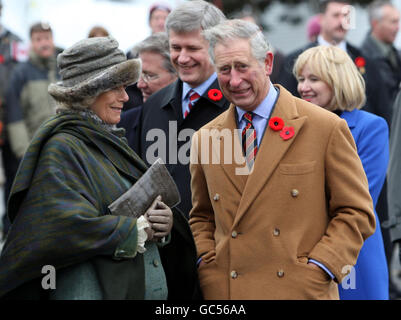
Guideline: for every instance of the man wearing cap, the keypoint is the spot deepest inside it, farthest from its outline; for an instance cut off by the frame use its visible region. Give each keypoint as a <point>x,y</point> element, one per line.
<point>174,113</point>
<point>158,13</point>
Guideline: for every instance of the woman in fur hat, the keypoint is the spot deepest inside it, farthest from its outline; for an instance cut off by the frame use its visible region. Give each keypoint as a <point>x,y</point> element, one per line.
<point>63,243</point>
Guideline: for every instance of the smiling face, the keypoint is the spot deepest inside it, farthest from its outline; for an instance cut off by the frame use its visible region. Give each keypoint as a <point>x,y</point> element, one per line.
<point>108,105</point>
<point>242,78</point>
<point>190,57</point>
<point>311,88</point>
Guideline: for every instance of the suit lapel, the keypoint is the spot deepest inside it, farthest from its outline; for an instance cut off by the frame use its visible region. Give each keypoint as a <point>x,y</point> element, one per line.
<point>272,150</point>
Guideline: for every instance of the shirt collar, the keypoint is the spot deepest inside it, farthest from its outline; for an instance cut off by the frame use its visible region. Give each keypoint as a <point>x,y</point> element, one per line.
<point>342,45</point>
<point>199,89</point>
<point>265,107</point>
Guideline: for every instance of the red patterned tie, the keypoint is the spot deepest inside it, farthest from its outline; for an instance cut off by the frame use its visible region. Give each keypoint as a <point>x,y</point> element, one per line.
<point>249,140</point>
<point>193,97</point>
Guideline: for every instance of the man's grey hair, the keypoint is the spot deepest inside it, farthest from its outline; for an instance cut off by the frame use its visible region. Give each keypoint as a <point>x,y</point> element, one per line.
<point>239,29</point>
<point>375,9</point>
<point>156,43</point>
<point>193,15</point>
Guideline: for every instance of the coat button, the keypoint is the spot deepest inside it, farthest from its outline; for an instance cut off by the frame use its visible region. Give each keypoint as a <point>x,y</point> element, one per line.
<point>234,234</point>
<point>234,274</point>
<point>216,197</point>
<point>280,273</point>
<point>294,193</point>
<point>276,232</point>
<point>155,263</point>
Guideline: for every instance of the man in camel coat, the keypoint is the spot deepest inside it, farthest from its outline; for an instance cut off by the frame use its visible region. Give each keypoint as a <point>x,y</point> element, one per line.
<point>286,218</point>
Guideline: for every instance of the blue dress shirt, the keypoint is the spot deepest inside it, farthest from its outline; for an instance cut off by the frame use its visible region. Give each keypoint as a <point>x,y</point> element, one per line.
<point>199,90</point>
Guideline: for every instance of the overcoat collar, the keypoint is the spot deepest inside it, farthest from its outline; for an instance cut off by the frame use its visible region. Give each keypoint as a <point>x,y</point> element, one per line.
<point>272,150</point>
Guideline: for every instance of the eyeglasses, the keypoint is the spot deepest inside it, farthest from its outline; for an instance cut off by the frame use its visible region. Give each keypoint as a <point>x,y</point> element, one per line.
<point>149,78</point>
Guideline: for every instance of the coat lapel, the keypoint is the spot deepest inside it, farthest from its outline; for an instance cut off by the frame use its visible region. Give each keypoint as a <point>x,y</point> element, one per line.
<point>226,144</point>
<point>271,151</point>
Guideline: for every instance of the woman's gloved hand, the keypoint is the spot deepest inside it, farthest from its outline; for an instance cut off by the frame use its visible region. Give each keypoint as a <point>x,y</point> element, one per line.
<point>160,218</point>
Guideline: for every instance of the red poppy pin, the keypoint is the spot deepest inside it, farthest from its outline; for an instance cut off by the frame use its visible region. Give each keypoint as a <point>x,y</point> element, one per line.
<point>1,59</point>
<point>215,94</point>
<point>360,62</point>
<point>276,123</point>
<point>287,133</point>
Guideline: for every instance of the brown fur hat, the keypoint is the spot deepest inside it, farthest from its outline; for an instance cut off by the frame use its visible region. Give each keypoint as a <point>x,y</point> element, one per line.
<point>90,67</point>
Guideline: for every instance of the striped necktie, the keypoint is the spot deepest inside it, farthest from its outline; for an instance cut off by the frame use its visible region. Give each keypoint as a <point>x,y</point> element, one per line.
<point>193,97</point>
<point>249,139</point>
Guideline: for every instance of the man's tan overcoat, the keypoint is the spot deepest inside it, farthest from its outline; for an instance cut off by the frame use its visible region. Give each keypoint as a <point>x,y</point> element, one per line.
<point>306,198</point>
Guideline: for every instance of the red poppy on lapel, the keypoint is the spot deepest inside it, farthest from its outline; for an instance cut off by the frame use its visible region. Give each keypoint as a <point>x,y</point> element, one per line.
<point>287,133</point>
<point>215,94</point>
<point>276,123</point>
<point>1,59</point>
<point>360,62</point>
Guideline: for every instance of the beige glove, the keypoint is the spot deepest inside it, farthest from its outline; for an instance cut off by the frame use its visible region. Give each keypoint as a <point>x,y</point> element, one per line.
<point>160,218</point>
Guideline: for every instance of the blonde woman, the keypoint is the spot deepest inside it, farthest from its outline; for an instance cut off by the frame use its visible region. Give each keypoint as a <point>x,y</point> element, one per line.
<point>328,78</point>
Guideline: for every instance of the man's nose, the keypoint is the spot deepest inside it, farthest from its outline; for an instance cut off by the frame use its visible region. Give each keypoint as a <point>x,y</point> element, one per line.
<point>235,78</point>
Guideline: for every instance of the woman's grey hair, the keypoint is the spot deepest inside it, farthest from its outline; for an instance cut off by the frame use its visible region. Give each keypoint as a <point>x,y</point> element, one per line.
<point>78,106</point>
<point>156,43</point>
<point>375,11</point>
<point>193,15</point>
<point>238,29</point>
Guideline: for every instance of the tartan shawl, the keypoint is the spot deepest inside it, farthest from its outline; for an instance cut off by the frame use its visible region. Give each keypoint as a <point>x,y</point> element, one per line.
<point>72,170</point>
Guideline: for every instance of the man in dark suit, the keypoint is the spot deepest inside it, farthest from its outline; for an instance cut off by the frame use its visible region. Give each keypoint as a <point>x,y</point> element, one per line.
<point>174,113</point>
<point>157,72</point>
<point>378,45</point>
<point>334,28</point>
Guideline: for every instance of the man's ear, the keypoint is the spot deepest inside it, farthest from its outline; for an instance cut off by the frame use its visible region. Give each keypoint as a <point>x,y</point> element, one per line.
<point>269,63</point>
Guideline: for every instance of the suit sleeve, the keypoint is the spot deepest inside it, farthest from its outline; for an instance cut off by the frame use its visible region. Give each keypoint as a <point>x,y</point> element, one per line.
<point>350,207</point>
<point>394,174</point>
<point>201,220</point>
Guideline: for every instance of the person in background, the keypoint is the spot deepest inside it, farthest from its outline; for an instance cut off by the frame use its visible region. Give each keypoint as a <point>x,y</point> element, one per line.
<point>157,72</point>
<point>394,177</point>
<point>194,99</point>
<point>77,164</point>
<point>334,27</point>
<point>281,216</point>
<point>278,55</point>
<point>384,19</point>
<point>28,103</point>
<point>98,31</point>
<point>158,13</point>
<point>328,78</point>
<point>313,28</point>
<point>11,52</point>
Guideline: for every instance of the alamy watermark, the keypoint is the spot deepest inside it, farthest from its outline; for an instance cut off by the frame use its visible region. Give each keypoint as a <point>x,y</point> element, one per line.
<point>49,280</point>
<point>214,146</point>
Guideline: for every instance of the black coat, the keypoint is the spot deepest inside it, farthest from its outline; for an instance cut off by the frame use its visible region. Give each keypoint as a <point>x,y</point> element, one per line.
<point>390,75</point>
<point>164,109</point>
<point>130,122</point>
<point>377,99</point>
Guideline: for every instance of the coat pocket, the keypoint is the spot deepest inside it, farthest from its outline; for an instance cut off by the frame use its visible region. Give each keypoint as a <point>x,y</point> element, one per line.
<point>297,168</point>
